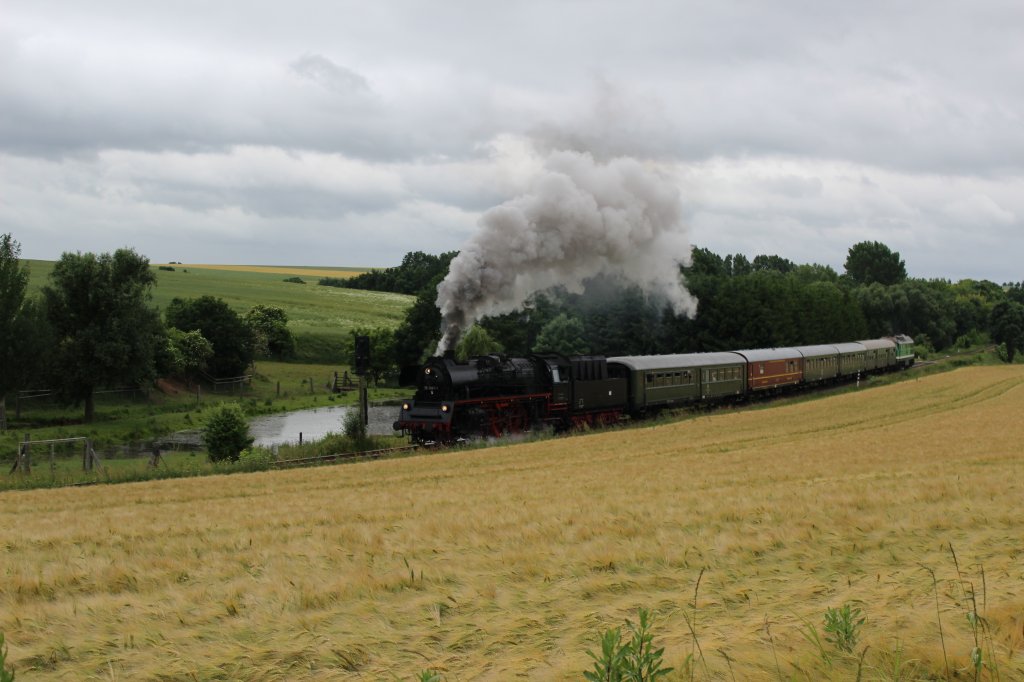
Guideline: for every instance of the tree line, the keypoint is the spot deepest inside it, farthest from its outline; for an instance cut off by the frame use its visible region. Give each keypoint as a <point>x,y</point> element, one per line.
<point>93,326</point>
<point>767,301</point>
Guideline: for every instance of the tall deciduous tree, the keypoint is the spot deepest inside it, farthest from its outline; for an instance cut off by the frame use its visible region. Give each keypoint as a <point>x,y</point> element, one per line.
<point>1007,326</point>
<point>13,284</point>
<point>869,262</point>
<point>269,326</point>
<point>232,339</point>
<point>190,352</point>
<point>104,329</point>
<point>477,341</point>
<point>563,335</point>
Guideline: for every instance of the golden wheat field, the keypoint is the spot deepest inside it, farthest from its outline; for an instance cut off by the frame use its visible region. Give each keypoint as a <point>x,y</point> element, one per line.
<point>275,269</point>
<point>507,562</point>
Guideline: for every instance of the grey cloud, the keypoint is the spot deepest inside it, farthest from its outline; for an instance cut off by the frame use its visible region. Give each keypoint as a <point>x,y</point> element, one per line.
<point>916,96</point>
<point>329,75</point>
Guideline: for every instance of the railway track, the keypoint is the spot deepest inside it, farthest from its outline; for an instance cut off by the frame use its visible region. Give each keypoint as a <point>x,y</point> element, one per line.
<point>341,457</point>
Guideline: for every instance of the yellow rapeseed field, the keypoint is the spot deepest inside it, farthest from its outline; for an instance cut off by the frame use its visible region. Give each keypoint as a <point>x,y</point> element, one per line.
<point>507,562</point>
<point>273,269</point>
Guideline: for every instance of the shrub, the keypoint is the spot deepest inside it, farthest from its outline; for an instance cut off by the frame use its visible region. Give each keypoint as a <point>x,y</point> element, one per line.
<point>842,627</point>
<point>256,459</point>
<point>354,426</point>
<point>295,280</point>
<point>226,433</point>
<point>636,660</point>
<point>168,268</point>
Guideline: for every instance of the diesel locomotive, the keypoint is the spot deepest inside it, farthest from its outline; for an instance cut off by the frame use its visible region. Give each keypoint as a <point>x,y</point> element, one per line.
<point>492,395</point>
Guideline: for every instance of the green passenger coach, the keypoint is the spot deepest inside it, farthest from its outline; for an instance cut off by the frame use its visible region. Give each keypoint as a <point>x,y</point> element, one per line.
<point>657,381</point>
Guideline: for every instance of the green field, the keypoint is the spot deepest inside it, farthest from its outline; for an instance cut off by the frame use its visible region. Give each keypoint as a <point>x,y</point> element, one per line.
<point>318,316</point>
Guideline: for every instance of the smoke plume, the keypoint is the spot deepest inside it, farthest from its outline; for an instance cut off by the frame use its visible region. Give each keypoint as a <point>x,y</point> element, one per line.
<point>580,218</point>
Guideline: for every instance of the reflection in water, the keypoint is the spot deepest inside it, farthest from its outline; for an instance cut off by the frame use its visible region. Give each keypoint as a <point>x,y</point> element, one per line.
<point>277,429</point>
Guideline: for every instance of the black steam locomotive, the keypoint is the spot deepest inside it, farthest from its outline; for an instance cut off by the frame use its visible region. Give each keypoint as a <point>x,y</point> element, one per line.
<point>493,394</point>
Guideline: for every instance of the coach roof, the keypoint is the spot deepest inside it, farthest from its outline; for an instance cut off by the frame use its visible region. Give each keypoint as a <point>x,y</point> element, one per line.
<point>766,354</point>
<point>874,344</point>
<point>817,351</point>
<point>663,362</point>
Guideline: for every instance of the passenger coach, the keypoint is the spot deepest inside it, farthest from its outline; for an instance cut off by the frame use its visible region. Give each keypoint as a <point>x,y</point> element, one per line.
<point>657,381</point>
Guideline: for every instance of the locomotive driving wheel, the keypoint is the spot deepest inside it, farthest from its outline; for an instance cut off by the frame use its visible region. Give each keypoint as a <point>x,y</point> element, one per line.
<point>517,419</point>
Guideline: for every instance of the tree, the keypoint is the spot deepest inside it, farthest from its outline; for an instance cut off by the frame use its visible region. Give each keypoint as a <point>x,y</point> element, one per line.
<point>269,326</point>
<point>1006,326</point>
<point>13,285</point>
<point>104,329</point>
<point>417,337</point>
<point>776,263</point>
<point>563,335</point>
<point>476,342</point>
<point>190,352</point>
<point>417,270</point>
<point>226,433</point>
<point>868,262</point>
<point>232,339</point>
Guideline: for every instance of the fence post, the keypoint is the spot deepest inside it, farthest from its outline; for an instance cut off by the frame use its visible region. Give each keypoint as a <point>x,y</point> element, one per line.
<point>53,463</point>
<point>311,385</point>
<point>279,389</point>
<point>26,455</point>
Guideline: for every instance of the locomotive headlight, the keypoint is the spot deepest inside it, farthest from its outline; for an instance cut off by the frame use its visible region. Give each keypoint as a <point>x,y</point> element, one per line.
<point>427,371</point>
<point>405,406</point>
<point>444,408</point>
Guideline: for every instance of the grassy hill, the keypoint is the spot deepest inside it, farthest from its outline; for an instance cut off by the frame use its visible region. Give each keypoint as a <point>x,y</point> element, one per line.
<point>738,529</point>
<point>319,317</point>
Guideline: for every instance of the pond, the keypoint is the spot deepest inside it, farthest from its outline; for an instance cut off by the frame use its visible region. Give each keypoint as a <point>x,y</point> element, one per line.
<point>278,429</point>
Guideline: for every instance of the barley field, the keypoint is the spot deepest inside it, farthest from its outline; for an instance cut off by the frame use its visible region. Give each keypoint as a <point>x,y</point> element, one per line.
<point>739,529</point>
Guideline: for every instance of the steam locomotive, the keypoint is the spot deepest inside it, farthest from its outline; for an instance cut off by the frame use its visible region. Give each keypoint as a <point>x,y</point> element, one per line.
<point>491,395</point>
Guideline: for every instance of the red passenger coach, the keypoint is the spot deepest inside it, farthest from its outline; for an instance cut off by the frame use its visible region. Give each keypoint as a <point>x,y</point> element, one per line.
<point>770,368</point>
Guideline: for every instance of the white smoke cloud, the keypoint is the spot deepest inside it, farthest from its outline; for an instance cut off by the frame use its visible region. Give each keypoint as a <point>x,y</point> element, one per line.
<point>580,218</point>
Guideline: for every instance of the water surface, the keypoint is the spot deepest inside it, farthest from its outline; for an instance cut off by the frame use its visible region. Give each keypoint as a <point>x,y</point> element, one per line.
<point>278,429</point>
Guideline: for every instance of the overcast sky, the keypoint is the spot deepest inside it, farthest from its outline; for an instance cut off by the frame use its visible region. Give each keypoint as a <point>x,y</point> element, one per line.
<point>348,133</point>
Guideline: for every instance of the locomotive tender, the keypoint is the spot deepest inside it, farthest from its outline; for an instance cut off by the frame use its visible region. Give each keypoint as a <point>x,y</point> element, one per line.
<point>493,394</point>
